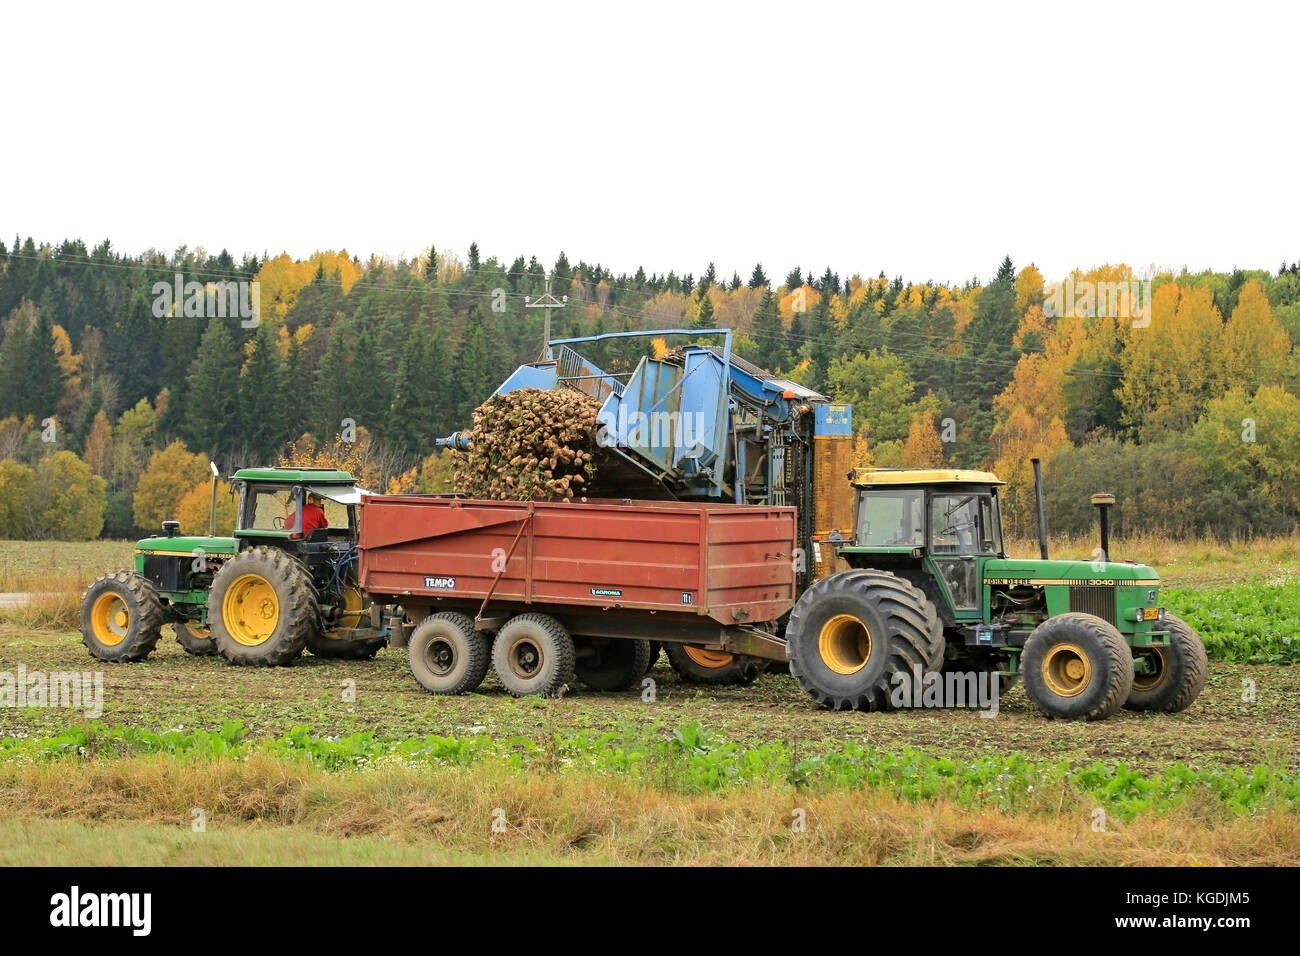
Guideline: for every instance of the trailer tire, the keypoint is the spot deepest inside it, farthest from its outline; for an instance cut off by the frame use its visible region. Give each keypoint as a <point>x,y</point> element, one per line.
<point>656,649</point>
<point>1180,675</point>
<point>612,664</point>
<point>716,668</point>
<point>533,654</point>
<point>1077,667</point>
<point>121,617</point>
<point>853,631</point>
<point>262,608</point>
<point>446,654</point>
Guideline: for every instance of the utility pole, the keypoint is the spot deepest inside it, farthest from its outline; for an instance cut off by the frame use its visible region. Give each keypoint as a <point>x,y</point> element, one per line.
<point>547,302</point>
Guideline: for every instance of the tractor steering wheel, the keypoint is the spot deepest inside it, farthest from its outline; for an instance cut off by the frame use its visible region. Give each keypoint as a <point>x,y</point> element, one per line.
<point>277,522</point>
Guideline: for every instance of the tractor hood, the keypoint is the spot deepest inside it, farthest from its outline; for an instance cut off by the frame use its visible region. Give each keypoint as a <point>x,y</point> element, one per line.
<point>187,544</point>
<point>1039,572</point>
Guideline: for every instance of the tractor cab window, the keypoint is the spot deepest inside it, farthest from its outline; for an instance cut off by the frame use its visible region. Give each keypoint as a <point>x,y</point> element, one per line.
<point>891,518</point>
<point>268,507</point>
<point>964,524</point>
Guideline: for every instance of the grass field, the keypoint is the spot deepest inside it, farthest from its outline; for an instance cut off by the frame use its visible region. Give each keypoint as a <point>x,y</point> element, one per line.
<point>341,762</point>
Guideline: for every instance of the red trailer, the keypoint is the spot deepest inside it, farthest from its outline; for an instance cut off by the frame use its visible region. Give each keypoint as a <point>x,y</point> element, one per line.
<point>573,586</point>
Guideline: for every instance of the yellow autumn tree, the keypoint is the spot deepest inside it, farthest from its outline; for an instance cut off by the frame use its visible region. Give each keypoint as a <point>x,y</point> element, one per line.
<point>1029,288</point>
<point>282,278</point>
<point>438,473</point>
<point>67,499</point>
<point>1174,366</point>
<point>195,508</point>
<point>1256,349</point>
<point>99,445</point>
<point>170,476</point>
<point>923,449</point>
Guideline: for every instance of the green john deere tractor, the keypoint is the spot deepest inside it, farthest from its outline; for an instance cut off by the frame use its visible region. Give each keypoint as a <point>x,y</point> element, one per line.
<point>259,596</point>
<point>931,589</point>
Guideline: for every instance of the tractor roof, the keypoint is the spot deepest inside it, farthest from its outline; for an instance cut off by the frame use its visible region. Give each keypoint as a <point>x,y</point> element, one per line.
<point>875,477</point>
<point>314,476</point>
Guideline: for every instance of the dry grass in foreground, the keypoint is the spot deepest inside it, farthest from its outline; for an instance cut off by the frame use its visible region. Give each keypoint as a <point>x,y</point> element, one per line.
<point>264,811</point>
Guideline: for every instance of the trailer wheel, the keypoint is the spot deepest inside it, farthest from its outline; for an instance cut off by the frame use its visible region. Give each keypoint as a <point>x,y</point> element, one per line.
<point>1077,667</point>
<point>1176,673</point>
<point>446,654</point>
<point>121,617</point>
<point>656,649</point>
<point>700,666</point>
<point>262,608</point>
<point>853,631</point>
<point>533,654</point>
<point>196,638</point>
<point>611,664</point>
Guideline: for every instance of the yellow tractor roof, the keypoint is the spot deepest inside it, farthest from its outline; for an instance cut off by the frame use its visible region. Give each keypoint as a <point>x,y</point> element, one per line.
<point>873,477</point>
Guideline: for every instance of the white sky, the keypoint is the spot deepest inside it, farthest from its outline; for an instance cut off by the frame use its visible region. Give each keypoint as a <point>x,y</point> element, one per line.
<point>922,140</point>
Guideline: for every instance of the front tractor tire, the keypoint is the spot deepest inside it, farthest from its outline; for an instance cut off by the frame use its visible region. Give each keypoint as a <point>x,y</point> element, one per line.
<point>852,632</point>
<point>1175,674</point>
<point>1077,667</point>
<point>121,617</point>
<point>699,665</point>
<point>446,654</point>
<point>262,609</point>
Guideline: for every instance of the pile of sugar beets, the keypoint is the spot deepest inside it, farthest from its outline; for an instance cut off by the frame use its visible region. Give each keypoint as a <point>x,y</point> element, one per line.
<point>536,445</point>
<point>531,445</point>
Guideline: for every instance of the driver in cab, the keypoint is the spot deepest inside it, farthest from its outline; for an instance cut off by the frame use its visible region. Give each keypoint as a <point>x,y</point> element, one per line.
<point>313,515</point>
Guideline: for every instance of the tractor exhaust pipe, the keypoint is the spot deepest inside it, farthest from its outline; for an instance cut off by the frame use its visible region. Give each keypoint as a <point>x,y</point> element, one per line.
<point>212,511</point>
<point>1102,501</point>
<point>1042,511</point>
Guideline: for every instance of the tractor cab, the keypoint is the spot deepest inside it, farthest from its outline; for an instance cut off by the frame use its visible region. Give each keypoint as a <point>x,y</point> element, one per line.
<point>272,503</point>
<point>937,527</point>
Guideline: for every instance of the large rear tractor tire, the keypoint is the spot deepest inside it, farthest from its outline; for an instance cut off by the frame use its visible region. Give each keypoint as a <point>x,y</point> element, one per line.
<point>700,666</point>
<point>533,654</point>
<point>612,664</point>
<point>121,617</point>
<point>262,609</point>
<point>853,631</point>
<point>195,638</point>
<point>1176,673</point>
<point>446,654</point>
<point>1077,667</point>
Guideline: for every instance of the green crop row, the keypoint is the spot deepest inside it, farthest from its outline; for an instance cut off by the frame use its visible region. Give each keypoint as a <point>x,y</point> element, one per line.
<point>694,760</point>
<point>1248,624</point>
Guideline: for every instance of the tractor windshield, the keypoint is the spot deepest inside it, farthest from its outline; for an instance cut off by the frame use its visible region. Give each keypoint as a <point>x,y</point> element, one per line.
<point>964,523</point>
<point>891,517</point>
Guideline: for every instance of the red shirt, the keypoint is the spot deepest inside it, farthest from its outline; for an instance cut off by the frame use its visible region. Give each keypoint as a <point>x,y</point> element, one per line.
<point>313,517</point>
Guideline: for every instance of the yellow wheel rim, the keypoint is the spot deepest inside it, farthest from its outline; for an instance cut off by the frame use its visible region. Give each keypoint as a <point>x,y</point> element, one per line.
<point>353,605</point>
<point>196,630</point>
<point>1155,657</point>
<point>708,658</point>
<point>1067,671</point>
<point>250,610</point>
<point>845,644</point>
<point>109,619</point>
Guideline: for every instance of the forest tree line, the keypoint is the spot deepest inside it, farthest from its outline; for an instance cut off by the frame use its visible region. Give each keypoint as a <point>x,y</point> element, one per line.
<point>109,410</point>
